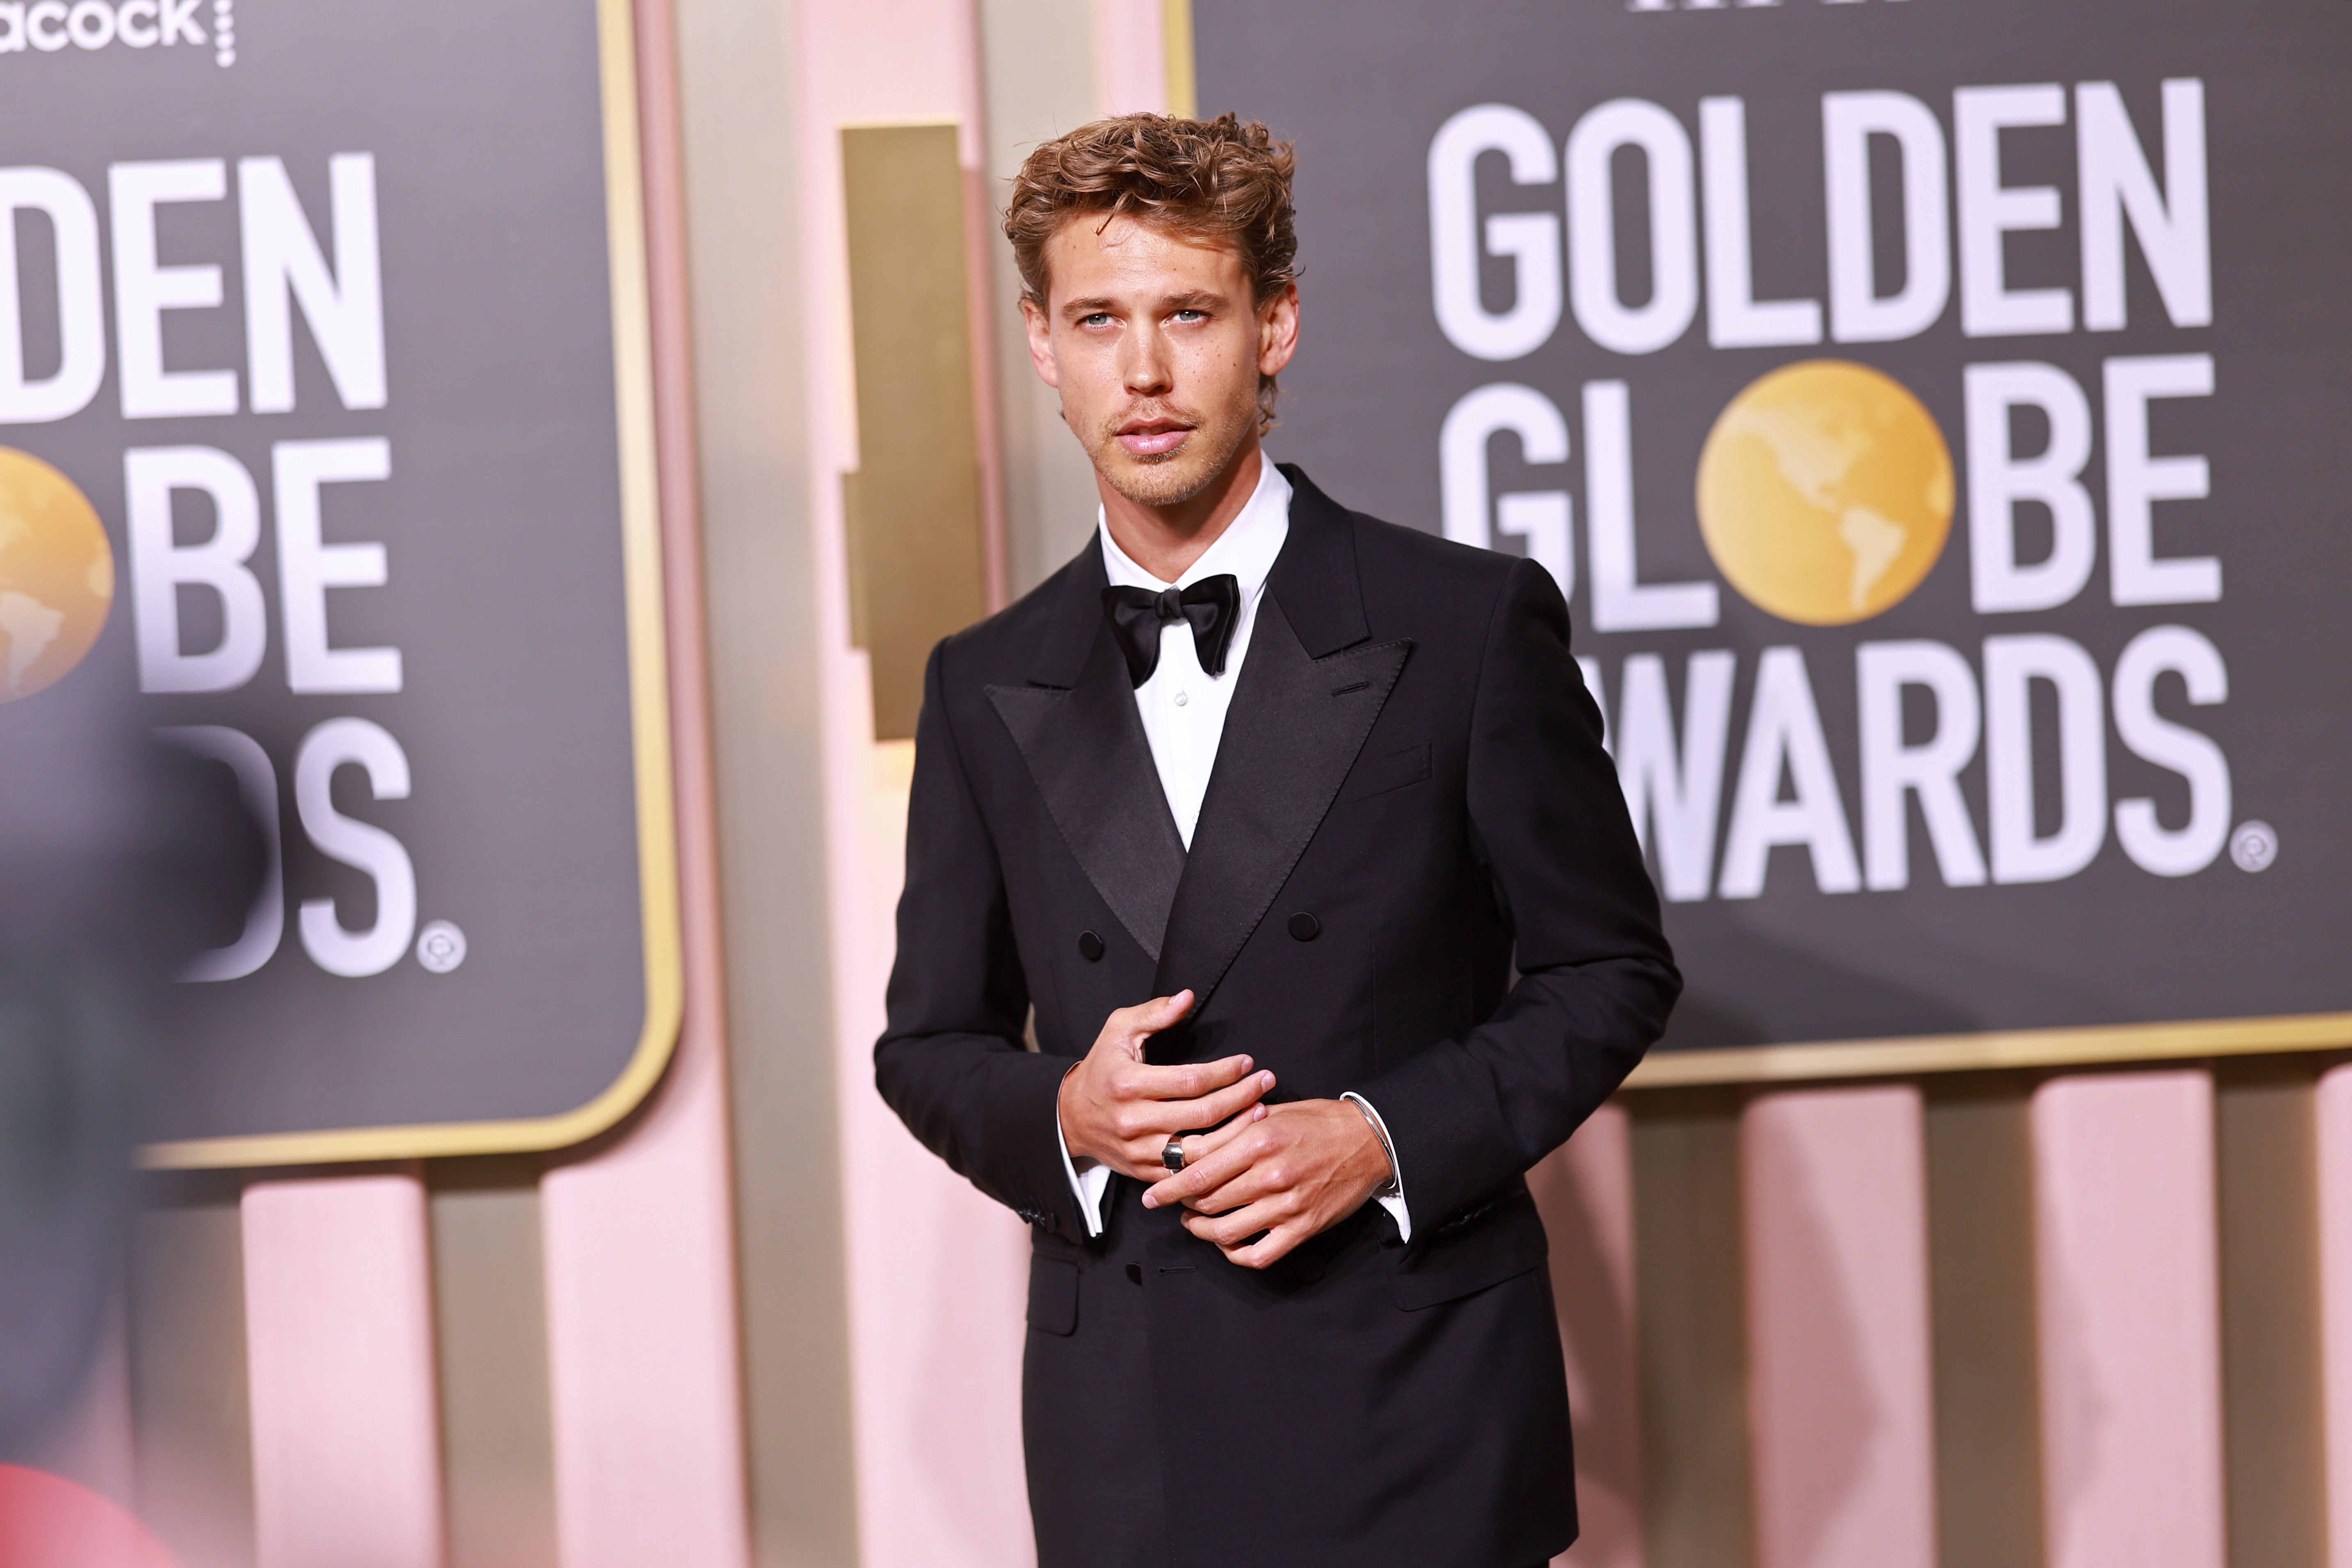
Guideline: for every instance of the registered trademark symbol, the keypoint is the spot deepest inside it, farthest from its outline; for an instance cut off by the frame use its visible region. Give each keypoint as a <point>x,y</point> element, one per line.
<point>2254,846</point>
<point>440,947</point>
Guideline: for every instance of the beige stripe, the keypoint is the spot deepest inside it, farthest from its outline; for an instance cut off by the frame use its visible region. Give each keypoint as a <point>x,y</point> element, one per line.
<point>1690,1307</point>
<point>2267,1166</point>
<point>1981,1281</point>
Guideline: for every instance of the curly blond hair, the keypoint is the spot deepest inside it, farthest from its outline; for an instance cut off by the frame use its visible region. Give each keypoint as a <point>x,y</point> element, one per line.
<point>1206,179</point>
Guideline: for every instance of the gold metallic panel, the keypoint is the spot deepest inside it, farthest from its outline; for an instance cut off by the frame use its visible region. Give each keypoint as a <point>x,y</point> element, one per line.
<point>1176,58</point>
<point>489,1311</point>
<point>912,510</point>
<point>2274,1443</point>
<point>2103,1044</point>
<point>1982,1306</point>
<point>1691,1314</point>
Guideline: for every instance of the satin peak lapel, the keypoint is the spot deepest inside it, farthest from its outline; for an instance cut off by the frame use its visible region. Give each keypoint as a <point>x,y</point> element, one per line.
<point>1295,726</point>
<point>1086,749</point>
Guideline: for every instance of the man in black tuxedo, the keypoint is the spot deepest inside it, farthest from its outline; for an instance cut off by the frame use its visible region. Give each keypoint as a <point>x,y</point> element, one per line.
<point>1292,832</point>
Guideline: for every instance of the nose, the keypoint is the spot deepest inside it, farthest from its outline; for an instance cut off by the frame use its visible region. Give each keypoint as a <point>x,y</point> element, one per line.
<point>1148,372</point>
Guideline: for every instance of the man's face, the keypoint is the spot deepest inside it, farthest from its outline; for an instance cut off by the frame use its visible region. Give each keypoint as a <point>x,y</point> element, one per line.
<point>1153,341</point>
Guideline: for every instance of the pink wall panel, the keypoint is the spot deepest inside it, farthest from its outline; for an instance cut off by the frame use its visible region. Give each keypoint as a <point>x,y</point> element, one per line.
<point>2335,1302</point>
<point>937,1273</point>
<point>641,1337</point>
<point>339,1332</point>
<point>1585,1192</point>
<point>1131,56</point>
<point>643,1357</point>
<point>1841,1403</point>
<point>2131,1384</point>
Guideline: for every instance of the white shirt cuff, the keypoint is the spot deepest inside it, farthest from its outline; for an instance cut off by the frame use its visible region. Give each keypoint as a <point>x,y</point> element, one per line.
<point>1392,1199</point>
<point>1088,1180</point>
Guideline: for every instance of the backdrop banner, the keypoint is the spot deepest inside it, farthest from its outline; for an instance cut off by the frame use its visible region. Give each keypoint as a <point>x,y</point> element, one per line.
<point>1933,412</point>
<point>313,445</point>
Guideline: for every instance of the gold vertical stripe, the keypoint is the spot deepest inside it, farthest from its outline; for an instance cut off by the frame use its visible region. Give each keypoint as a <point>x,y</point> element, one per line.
<point>490,1310</point>
<point>1691,1331</point>
<point>1989,1506</point>
<point>641,535</point>
<point>917,570</point>
<point>2266,1158</point>
<point>1176,58</point>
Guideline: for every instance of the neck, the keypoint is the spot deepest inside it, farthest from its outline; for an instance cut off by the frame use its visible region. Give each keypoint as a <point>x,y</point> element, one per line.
<point>1165,539</point>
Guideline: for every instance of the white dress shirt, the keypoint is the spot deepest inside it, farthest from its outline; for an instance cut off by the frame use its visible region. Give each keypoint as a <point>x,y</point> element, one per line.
<point>1183,712</point>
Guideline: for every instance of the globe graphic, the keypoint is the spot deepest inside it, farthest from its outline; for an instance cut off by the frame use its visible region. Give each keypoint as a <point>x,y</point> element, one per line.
<point>56,575</point>
<point>1825,493</point>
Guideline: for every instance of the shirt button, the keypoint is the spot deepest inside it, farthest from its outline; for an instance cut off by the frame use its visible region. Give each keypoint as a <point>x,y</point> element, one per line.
<point>1182,700</point>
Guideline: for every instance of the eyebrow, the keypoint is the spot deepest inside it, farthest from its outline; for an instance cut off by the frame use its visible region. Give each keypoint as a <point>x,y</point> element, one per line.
<point>1190,299</point>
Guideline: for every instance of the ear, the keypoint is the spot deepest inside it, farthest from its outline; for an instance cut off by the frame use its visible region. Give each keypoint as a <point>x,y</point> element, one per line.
<point>1278,331</point>
<point>1041,344</point>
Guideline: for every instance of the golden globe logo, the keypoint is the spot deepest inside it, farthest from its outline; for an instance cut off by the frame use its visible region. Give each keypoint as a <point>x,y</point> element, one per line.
<point>56,575</point>
<point>1826,493</point>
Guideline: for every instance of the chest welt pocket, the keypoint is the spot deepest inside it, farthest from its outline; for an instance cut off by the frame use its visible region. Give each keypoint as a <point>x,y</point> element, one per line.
<point>1387,771</point>
<point>1053,1294</point>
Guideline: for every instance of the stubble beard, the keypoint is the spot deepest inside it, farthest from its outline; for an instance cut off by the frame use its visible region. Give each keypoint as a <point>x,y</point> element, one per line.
<point>1172,479</point>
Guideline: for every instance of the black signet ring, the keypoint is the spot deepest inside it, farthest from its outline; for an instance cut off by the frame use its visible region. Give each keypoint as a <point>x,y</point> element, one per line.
<point>1173,1156</point>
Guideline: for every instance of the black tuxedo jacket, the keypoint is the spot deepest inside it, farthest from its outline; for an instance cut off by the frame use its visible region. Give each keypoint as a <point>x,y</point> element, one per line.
<point>1413,876</point>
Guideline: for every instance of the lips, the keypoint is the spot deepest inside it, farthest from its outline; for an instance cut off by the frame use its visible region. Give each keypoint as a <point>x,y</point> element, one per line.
<point>1152,437</point>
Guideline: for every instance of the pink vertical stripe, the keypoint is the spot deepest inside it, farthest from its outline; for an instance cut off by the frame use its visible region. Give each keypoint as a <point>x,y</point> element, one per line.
<point>2335,1302</point>
<point>639,1236</point>
<point>642,1336</point>
<point>937,1273</point>
<point>2130,1321</point>
<point>1131,56</point>
<point>338,1330</point>
<point>1840,1386</point>
<point>1585,1192</point>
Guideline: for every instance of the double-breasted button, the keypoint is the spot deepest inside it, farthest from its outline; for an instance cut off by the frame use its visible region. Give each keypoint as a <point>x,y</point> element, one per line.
<point>1090,947</point>
<point>1304,927</point>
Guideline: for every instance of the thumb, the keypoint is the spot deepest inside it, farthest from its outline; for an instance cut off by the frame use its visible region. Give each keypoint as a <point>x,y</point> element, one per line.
<point>1169,1011</point>
<point>1159,1012</point>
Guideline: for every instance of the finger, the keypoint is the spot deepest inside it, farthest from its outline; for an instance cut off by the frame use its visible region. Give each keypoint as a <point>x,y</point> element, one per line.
<point>1162,1012</point>
<point>1201,1145</point>
<point>1213,1172</point>
<point>1127,1028</point>
<point>1219,1190</point>
<point>1269,1249</point>
<point>1239,1230</point>
<point>1249,1191</point>
<point>1187,1080</point>
<point>1210,1109</point>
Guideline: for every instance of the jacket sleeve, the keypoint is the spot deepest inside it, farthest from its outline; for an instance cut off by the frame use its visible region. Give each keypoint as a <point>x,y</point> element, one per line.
<point>1596,977</point>
<point>951,1062</point>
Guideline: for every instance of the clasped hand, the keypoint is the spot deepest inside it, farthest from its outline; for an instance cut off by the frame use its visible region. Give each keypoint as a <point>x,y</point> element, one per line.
<point>1262,1179</point>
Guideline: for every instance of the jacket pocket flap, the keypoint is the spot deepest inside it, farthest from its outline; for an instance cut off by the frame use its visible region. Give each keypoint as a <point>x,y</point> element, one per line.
<point>1391,770</point>
<point>1505,1242</point>
<point>1052,1294</point>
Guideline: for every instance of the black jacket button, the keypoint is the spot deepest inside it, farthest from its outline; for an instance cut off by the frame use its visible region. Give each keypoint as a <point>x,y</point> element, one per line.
<point>1304,927</point>
<point>1090,947</point>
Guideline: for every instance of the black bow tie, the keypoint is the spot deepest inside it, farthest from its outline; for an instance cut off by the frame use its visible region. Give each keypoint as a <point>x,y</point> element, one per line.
<point>1136,615</point>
